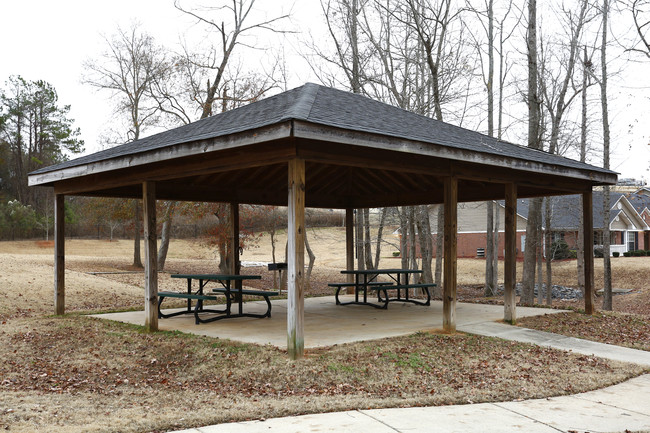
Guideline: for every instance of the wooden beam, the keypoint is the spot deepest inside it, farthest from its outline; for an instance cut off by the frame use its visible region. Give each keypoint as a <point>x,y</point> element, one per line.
<point>510,265</point>
<point>374,143</point>
<point>296,259</point>
<point>450,253</point>
<point>349,244</point>
<point>150,257</point>
<point>588,239</point>
<point>59,254</point>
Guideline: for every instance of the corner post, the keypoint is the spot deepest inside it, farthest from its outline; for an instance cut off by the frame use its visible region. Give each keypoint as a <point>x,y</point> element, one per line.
<point>296,259</point>
<point>510,264</point>
<point>588,248</point>
<point>349,244</point>
<point>450,253</point>
<point>151,257</point>
<point>59,254</point>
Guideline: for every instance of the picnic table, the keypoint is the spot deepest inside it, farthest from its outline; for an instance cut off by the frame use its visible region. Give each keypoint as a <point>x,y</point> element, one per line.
<point>365,280</point>
<point>230,288</point>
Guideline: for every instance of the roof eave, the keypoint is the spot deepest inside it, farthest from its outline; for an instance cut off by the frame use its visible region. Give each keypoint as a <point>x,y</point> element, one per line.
<point>268,133</point>
<point>309,130</point>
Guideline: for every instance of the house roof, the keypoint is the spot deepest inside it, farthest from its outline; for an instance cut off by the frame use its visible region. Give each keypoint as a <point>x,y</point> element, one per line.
<point>639,200</point>
<point>567,209</point>
<point>358,153</point>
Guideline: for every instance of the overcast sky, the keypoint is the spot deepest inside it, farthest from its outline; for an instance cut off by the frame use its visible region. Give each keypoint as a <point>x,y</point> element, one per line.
<point>50,40</point>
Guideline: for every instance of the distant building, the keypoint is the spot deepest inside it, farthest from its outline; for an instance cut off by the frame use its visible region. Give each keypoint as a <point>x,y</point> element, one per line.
<point>629,223</point>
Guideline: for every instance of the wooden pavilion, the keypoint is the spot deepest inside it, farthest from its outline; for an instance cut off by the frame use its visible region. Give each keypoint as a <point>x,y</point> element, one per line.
<point>315,146</point>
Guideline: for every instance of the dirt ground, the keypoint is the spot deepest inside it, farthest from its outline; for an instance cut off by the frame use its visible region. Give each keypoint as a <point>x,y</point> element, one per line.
<point>75,373</point>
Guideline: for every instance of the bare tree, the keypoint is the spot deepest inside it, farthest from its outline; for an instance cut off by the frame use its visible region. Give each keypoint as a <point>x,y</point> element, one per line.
<point>641,15</point>
<point>219,55</point>
<point>132,63</point>
<point>607,266</point>
<point>559,91</point>
<point>534,142</point>
<point>486,18</point>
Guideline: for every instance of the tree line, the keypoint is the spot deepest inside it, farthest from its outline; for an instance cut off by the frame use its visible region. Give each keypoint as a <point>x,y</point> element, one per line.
<point>488,65</point>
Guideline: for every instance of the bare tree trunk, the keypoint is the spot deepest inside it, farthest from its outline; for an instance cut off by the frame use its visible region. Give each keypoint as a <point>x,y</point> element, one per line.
<point>534,211</point>
<point>607,271</point>
<point>530,252</point>
<point>440,228</point>
<point>413,261</point>
<point>358,237</point>
<point>312,259</point>
<point>380,233</point>
<point>583,156</point>
<point>137,223</point>
<point>404,228</point>
<point>165,235</point>
<point>426,244</point>
<point>490,270</point>
<point>367,240</point>
<point>275,274</point>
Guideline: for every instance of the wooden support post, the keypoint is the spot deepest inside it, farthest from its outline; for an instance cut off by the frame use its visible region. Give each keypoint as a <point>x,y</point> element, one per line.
<point>588,248</point>
<point>510,265</point>
<point>296,259</point>
<point>349,244</point>
<point>59,254</point>
<point>150,257</point>
<point>450,253</point>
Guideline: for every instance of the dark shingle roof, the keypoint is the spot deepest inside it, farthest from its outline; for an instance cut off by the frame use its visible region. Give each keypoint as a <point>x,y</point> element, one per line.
<point>334,108</point>
<point>567,209</point>
<point>639,201</point>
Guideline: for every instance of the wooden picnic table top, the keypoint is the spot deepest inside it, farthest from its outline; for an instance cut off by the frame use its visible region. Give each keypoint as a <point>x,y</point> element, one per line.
<point>218,277</point>
<point>381,271</point>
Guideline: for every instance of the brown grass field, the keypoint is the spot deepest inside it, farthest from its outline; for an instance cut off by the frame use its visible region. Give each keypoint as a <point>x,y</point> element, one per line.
<point>75,373</point>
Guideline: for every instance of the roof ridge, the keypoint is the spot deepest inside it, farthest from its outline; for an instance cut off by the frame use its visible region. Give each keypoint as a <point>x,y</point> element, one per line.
<point>301,108</point>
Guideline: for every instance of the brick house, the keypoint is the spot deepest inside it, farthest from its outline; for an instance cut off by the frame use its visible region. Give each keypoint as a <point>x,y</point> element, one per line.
<point>629,227</point>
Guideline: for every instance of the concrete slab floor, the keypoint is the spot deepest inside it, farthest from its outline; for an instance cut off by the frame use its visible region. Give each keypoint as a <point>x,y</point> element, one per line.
<point>327,324</point>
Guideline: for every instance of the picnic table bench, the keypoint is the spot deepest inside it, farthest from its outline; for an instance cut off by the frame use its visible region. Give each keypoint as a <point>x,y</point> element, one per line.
<point>364,281</point>
<point>370,285</point>
<point>232,293</point>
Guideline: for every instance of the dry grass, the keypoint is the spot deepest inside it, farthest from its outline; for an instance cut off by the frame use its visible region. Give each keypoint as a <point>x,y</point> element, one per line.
<point>629,330</point>
<point>75,373</point>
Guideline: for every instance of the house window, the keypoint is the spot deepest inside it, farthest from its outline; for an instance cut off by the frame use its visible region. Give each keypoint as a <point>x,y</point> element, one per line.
<point>632,241</point>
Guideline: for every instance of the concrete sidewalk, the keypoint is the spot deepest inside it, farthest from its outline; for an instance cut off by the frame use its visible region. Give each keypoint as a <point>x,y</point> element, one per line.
<point>619,408</point>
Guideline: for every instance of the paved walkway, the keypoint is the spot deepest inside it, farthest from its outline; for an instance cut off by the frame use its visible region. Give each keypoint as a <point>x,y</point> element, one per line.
<point>619,408</point>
